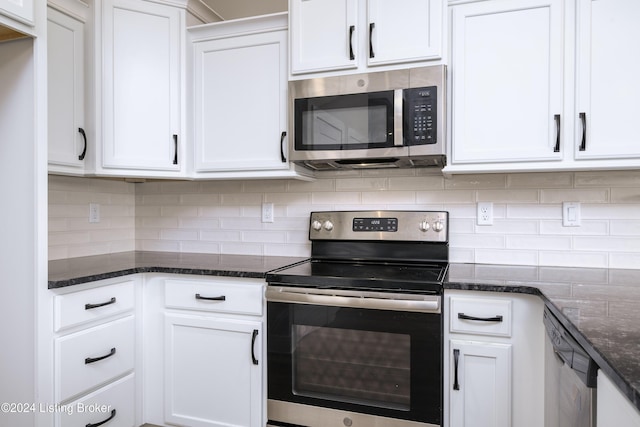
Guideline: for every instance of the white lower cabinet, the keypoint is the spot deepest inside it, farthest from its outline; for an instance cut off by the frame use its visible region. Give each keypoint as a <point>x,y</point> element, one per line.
<point>613,408</point>
<point>480,394</point>
<point>95,354</point>
<point>204,351</point>
<point>109,406</point>
<point>213,374</point>
<point>494,361</point>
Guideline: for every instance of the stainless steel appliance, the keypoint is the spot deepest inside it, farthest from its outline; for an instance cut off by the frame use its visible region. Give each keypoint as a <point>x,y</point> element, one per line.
<point>388,119</point>
<point>570,377</point>
<point>354,334</point>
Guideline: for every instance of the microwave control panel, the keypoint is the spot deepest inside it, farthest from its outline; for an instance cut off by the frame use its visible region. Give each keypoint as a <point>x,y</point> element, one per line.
<point>420,106</point>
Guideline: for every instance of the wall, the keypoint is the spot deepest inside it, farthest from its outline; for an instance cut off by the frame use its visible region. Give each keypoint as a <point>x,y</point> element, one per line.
<point>70,233</point>
<point>224,216</point>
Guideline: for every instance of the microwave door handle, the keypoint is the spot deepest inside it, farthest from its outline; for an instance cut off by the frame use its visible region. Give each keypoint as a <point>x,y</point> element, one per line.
<point>398,138</point>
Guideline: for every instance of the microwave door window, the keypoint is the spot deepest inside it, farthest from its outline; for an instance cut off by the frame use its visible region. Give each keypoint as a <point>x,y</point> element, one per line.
<point>344,122</point>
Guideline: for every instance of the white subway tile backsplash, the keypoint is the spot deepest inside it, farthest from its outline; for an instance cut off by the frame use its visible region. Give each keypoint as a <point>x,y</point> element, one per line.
<point>540,180</point>
<point>574,259</point>
<point>625,228</point>
<point>595,195</point>
<point>608,179</point>
<point>506,256</point>
<point>225,216</point>
<point>625,195</point>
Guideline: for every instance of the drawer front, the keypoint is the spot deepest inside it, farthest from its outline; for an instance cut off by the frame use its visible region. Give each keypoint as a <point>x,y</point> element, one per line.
<point>113,402</point>
<point>480,316</point>
<point>92,357</point>
<point>219,296</point>
<point>92,304</point>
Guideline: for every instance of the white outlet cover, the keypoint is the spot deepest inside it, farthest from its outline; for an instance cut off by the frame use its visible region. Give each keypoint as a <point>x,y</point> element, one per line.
<point>484,213</point>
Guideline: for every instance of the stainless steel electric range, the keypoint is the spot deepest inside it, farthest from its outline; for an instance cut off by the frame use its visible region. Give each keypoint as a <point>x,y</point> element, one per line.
<point>354,334</point>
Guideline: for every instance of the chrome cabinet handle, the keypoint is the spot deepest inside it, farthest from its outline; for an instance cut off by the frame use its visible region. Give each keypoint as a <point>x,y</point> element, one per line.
<point>89,360</point>
<point>480,319</point>
<point>253,345</point>
<point>84,150</point>
<point>583,142</point>
<point>556,149</point>
<point>456,356</point>
<point>371,27</point>
<point>102,304</point>
<point>352,56</point>
<point>220,298</point>
<point>112,416</point>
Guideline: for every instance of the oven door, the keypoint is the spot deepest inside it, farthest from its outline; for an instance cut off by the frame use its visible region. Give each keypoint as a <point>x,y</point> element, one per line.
<point>346,361</point>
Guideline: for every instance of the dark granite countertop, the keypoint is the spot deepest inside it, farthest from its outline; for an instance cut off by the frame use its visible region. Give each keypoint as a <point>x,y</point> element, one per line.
<point>74,271</point>
<point>600,307</point>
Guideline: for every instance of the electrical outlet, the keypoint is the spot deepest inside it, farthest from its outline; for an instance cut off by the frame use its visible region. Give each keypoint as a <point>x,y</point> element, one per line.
<point>485,213</point>
<point>94,212</point>
<point>267,212</point>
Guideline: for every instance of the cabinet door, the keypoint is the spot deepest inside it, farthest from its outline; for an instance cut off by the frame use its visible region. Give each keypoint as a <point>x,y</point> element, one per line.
<point>507,81</point>
<point>213,371</point>
<point>480,384</point>
<point>402,32</point>
<point>324,35</point>
<point>607,79</point>
<point>240,103</point>
<point>20,10</point>
<point>65,46</point>
<point>141,85</point>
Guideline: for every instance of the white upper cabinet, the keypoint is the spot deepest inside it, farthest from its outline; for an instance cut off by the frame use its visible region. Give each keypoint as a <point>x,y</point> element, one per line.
<point>238,110</point>
<point>607,79</point>
<point>541,85</point>
<point>141,89</point>
<point>67,135</point>
<point>19,10</point>
<point>507,75</point>
<point>330,35</point>
<point>323,35</point>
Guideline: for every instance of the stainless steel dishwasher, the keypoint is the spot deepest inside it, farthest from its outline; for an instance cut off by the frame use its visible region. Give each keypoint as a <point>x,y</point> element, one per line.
<point>570,378</point>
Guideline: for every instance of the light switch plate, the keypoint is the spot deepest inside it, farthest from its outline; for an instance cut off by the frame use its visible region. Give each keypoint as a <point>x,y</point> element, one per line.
<point>267,212</point>
<point>571,215</point>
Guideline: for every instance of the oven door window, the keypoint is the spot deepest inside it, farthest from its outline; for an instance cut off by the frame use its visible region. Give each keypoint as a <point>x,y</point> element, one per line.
<point>349,365</point>
<point>377,362</point>
<point>345,122</point>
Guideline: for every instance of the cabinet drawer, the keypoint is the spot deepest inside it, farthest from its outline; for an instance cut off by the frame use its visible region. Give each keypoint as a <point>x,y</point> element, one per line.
<point>100,405</point>
<point>480,316</point>
<point>239,297</point>
<point>92,304</point>
<point>93,356</point>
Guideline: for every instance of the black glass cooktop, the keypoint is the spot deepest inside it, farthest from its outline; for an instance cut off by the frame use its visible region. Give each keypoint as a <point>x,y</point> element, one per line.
<point>379,276</point>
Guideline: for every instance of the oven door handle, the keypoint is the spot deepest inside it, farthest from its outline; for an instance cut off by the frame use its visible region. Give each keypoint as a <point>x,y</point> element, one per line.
<point>355,299</point>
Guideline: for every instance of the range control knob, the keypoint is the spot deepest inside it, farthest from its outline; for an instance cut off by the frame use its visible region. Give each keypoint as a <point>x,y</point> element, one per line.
<point>328,225</point>
<point>424,225</point>
<point>438,226</point>
<point>316,225</point>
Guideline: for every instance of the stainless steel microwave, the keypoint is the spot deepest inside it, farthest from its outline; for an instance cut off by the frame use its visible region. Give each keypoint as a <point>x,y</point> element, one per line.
<point>389,119</point>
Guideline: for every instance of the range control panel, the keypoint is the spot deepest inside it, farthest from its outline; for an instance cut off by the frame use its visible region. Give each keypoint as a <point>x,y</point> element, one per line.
<point>422,226</point>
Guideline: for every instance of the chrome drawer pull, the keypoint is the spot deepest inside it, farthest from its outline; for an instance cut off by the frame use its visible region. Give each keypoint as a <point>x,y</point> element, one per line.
<point>97,359</point>
<point>113,414</point>
<point>90,306</point>
<point>220,298</point>
<point>480,319</point>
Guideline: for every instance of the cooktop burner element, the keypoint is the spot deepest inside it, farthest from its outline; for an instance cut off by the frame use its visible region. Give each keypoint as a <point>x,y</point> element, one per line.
<point>389,251</point>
